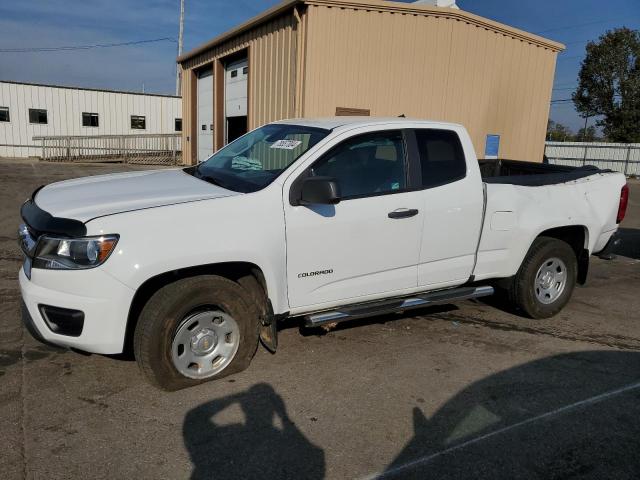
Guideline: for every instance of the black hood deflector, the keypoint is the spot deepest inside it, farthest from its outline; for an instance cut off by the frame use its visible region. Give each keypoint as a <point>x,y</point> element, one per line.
<point>41,221</point>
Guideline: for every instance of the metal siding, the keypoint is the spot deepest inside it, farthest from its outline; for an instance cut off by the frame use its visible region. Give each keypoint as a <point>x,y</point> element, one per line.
<point>395,59</point>
<point>621,157</point>
<point>430,66</point>
<point>272,70</point>
<point>64,114</point>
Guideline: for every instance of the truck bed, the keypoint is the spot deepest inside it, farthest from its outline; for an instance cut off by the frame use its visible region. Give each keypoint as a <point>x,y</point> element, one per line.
<point>532,174</point>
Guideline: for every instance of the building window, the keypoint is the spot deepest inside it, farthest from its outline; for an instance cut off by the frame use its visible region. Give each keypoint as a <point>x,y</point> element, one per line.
<point>245,70</point>
<point>4,114</point>
<point>89,119</point>
<point>234,73</point>
<point>38,115</point>
<point>138,122</point>
<point>178,125</point>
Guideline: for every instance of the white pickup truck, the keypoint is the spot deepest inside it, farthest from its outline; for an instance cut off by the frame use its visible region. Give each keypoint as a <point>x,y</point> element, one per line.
<point>324,220</point>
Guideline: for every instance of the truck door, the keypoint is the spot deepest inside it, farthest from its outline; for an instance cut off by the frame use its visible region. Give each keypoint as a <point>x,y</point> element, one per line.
<point>452,201</point>
<point>366,245</point>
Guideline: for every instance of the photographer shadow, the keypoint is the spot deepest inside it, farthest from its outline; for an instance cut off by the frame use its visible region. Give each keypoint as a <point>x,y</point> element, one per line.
<point>266,445</point>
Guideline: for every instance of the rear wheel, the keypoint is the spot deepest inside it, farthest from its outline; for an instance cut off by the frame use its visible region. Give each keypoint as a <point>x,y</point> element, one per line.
<point>195,330</point>
<point>546,279</point>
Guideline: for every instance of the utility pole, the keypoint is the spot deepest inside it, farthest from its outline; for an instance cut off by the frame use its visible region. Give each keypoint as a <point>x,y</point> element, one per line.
<point>584,130</point>
<point>180,35</point>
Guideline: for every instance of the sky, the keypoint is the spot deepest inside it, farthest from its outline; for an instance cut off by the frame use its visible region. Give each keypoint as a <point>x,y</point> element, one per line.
<point>28,24</point>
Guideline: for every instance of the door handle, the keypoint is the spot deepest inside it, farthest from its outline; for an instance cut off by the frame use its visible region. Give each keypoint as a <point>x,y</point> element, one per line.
<point>403,213</point>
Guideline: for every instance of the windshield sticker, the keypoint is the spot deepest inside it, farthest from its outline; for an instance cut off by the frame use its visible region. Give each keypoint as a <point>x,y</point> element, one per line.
<point>286,144</point>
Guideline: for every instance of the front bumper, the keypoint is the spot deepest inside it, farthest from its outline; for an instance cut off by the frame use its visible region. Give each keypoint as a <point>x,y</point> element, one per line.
<point>104,300</point>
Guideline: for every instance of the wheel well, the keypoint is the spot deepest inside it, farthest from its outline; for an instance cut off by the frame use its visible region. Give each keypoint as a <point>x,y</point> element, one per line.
<point>577,237</point>
<point>231,270</point>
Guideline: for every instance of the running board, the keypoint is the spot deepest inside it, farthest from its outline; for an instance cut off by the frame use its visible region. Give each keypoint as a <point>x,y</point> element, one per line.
<point>352,312</point>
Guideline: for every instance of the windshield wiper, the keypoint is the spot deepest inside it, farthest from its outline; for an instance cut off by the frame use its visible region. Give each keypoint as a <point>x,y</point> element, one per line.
<point>195,171</point>
<point>213,180</point>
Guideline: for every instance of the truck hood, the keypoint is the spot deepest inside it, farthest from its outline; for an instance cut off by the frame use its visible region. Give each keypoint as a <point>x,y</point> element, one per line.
<point>86,198</point>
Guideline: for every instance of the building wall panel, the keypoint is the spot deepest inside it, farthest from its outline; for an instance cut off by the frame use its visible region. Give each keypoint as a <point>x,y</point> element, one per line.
<point>426,65</point>
<point>64,114</point>
<point>272,74</point>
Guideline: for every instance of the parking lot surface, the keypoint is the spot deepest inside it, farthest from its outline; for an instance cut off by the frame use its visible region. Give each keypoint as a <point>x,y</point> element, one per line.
<point>464,391</point>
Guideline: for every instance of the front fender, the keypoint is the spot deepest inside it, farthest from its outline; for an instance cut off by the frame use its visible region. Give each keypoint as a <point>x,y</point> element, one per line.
<point>243,228</point>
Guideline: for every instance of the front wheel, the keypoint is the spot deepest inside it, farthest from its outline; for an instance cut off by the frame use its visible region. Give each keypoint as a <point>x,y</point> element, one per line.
<point>195,330</point>
<point>546,279</point>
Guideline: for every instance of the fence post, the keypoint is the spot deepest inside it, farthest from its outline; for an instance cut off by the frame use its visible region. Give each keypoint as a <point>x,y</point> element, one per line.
<point>68,149</point>
<point>174,145</point>
<point>584,159</point>
<point>626,162</point>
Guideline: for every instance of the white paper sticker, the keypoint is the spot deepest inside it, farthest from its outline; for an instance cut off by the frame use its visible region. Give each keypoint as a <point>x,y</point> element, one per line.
<point>286,144</point>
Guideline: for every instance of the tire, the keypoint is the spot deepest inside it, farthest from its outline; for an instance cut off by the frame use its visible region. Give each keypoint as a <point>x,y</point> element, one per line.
<point>194,318</point>
<point>527,290</point>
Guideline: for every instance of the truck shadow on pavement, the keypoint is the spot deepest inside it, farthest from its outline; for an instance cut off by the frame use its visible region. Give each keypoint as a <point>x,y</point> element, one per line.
<point>630,244</point>
<point>267,445</point>
<point>567,416</point>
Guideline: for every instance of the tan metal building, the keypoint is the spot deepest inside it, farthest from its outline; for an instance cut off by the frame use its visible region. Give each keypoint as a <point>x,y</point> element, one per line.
<point>310,58</point>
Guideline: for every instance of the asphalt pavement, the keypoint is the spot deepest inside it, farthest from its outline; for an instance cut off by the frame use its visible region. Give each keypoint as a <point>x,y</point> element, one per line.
<point>460,391</point>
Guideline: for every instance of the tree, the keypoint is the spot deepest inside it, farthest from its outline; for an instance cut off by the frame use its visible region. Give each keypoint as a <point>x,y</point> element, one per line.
<point>609,84</point>
<point>590,135</point>
<point>556,132</point>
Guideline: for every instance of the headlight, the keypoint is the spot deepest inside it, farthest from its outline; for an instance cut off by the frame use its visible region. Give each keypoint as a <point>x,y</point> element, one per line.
<point>73,253</point>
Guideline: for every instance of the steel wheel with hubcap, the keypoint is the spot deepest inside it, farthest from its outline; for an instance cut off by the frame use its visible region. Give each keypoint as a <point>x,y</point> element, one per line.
<point>205,343</point>
<point>196,329</point>
<point>545,280</point>
<point>550,280</point>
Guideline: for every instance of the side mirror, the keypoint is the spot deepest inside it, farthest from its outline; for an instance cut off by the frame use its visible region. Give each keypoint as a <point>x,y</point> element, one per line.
<point>319,191</point>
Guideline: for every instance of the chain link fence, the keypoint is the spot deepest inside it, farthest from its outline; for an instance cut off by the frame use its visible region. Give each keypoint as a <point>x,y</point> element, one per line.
<point>158,149</point>
<point>621,157</point>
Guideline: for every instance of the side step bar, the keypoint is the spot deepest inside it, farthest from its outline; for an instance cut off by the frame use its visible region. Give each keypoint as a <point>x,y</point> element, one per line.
<point>370,309</point>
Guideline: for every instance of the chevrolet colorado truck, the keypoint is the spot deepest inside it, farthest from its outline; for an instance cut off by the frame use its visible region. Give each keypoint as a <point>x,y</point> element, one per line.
<point>325,220</point>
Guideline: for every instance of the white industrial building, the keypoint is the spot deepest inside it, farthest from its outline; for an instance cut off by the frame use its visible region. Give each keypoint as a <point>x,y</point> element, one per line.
<point>31,110</point>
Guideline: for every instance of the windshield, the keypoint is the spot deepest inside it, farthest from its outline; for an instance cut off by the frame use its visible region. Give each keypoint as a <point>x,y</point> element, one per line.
<point>253,161</point>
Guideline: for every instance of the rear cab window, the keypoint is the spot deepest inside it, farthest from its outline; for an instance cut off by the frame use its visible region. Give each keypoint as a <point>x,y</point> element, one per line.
<point>442,159</point>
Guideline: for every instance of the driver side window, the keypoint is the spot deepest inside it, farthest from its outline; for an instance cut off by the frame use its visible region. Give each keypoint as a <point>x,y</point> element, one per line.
<point>366,165</point>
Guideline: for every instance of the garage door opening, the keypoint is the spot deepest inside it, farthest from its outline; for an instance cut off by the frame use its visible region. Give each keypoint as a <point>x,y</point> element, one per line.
<point>235,91</point>
<point>236,127</point>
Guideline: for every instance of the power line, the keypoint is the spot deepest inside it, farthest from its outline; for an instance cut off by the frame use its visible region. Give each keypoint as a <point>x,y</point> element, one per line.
<point>575,42</point>
<point>578,25</point>
<point>83,47</point>
<point>570,58</point>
